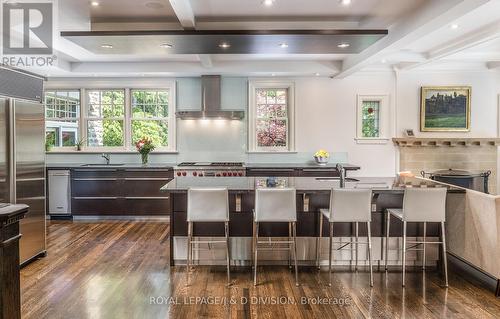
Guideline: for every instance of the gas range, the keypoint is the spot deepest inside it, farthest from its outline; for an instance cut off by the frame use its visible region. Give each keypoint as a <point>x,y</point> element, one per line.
<point>209,169</point>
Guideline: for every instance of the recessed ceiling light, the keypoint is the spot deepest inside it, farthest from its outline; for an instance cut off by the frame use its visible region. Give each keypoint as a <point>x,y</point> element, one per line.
<point>383,60</point>
<point>284,45</point>
<point>94,3</point>
<point>166,45</point>
<point>344,45</point>
<point>107,46</point>
<point>224,45</point>
<point>317,74</point>
<point>454,26</point>
<point>268,3</point>
<point>345,2</point>
<point>272,74</point>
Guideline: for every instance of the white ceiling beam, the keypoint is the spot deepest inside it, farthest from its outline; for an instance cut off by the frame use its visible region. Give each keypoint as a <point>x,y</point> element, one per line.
<point>184,13</point>
<point>470,40</point>
<point>493,65</point>
<point>432,16</point>
<point>205,60</point>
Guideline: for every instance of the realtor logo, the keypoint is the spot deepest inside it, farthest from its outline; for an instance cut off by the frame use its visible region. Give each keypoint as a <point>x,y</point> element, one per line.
<point>27,28</point>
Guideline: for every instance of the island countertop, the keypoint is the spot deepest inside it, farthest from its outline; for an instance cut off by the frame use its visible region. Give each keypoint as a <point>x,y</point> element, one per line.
<point>301,184</point>
<point>306,165</point>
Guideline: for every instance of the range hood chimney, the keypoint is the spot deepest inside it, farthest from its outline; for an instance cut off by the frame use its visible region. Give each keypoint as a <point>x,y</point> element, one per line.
<point>211,102</point>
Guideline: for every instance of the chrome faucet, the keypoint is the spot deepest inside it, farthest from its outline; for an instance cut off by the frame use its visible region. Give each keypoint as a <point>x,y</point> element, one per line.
<point>341,171</point>
<point>106,157</point>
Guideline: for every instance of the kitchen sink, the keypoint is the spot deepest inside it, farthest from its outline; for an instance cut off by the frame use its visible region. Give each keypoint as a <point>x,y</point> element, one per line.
<point>102,165</point>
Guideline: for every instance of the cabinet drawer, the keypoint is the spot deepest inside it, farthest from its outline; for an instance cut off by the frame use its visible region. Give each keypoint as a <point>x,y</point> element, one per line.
<point>148,173</point>
<point>95,187</point>
<point>319,172</point>
<point>95,173</point>
<point>96,206</point>
<point>264,172</point>
<point>144,206</point>
<point>144,186</point>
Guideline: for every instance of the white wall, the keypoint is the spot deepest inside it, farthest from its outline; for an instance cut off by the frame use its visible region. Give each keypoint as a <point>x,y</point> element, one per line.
<point>326,118</point>
<point>485,89</point>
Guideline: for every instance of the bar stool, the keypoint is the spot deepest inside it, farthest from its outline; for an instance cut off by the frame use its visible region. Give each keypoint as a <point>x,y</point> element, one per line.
<point>351,206</point>
<point>275,205</point>
<point>207,205</point>
<point>421,205</point>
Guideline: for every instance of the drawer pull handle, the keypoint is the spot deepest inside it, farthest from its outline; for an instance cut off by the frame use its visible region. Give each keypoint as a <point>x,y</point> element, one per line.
<point>146,198</point>
<point>91,198</point>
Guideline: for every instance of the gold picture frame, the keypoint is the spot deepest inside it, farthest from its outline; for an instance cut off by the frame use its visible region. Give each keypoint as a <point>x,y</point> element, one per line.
<point>445,108</point>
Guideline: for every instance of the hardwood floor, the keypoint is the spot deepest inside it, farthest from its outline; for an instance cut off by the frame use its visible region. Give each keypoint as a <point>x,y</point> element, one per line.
<point>119,269</point>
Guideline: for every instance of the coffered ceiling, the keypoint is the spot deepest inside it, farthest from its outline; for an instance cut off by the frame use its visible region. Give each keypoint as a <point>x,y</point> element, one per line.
<point>421,33</point>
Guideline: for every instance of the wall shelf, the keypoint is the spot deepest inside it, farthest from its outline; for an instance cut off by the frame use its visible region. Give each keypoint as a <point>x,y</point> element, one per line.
<point>444,142</point>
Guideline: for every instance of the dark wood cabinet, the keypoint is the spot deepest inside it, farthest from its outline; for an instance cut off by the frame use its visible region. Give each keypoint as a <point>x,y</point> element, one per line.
<point>292,172</point>
<point>10,292</point>
<point>123,191</point>
<point>274,172</point>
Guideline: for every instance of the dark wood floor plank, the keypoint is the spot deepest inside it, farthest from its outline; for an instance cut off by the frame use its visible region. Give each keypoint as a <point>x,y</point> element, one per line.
<point>111,269</point>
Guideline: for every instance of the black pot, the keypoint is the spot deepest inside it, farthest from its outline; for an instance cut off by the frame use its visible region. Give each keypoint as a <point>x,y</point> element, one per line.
<point>466,179</point>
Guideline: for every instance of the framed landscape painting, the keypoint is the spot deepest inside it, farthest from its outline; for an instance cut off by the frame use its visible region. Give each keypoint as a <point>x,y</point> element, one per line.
<point>445,108</point>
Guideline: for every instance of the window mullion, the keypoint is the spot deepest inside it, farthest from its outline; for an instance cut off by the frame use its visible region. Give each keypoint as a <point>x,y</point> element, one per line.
<point>127,119</point>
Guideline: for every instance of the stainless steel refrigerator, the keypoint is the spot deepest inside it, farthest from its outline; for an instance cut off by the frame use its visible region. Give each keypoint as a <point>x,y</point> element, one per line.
<point>22,155</point>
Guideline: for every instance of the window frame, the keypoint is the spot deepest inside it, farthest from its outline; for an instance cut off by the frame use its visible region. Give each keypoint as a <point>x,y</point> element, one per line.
<point>127,88</point>
<point>78,119</point>
<point>170,119</point>
<point>86,118</point>
<point>255,85</point>
<point>384,121</point>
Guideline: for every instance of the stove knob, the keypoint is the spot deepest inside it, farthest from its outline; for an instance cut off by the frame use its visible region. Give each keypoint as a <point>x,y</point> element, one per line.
<point>218,175</point>
<point>178,173</point>
<point>195,173</point>
<point>224,174</point>
<point>229,173</point>
<point>184,173</point>
<point>240,173</point>
<point>200,175</point>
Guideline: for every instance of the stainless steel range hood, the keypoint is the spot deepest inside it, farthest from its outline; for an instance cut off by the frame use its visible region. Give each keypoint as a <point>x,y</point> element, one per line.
<point>211,102</point>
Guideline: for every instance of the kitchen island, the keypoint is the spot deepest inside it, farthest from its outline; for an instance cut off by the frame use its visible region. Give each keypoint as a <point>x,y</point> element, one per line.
<point>313,193</point>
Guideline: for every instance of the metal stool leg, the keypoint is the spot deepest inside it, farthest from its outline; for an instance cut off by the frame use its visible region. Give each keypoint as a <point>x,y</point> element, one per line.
<point>253,245</point>
<point>404,252</point>
<point>388,224</point>
<point>425,235</point>
<point>318,241</point>
<point>255,252</point>
<point>445,263</point>
<point>188,262</point>
<point>295,253</point>
<point>330,256</point>
<point>357,246</point>
<point>368,224</point>
<point>226,228</point>
<point>290,251</point>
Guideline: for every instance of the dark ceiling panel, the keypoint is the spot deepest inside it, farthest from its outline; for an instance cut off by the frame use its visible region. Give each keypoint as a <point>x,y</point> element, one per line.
<point>241,41</point>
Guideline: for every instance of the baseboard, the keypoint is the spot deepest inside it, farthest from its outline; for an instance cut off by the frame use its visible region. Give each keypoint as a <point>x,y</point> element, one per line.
<point>472,273</point>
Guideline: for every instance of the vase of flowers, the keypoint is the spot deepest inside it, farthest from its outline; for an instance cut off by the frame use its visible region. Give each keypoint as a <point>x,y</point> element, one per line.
<point>321,157</point>
<point>144,146</point>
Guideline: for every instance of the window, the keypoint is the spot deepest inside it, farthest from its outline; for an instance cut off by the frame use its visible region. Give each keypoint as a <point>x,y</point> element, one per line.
<point>372,123</point>
<point>370,119</point>
<point>151,116</point>
<point>105,116</point>
<point>112,119</point>
<point>271,117</point>
<point>62,113</point>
